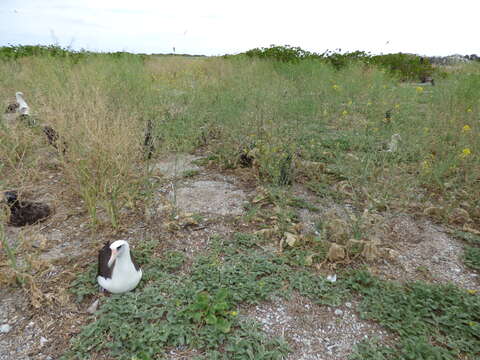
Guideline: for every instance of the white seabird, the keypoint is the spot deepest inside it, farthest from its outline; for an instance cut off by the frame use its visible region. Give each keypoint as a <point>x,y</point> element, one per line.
<point>23,108</point>
<point>393,144</point>
<point>117,270</point>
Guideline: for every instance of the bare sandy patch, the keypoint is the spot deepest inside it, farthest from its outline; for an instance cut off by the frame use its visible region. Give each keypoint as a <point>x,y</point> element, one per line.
<point>315,332</point>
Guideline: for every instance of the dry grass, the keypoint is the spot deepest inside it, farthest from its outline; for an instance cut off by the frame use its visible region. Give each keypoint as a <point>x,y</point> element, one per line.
<point>303,122</point>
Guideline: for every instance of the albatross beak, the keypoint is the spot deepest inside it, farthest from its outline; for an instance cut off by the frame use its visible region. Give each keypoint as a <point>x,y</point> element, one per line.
<point>112,257</point>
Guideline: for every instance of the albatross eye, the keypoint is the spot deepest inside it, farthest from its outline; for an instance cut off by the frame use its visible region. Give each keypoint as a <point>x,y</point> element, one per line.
<point>118,248</point>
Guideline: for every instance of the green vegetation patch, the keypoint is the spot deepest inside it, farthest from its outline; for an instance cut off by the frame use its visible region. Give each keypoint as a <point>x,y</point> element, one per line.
<point>432,321</point>
<point>472,257</point>
<point>196,310</point>
<point>199,310</point>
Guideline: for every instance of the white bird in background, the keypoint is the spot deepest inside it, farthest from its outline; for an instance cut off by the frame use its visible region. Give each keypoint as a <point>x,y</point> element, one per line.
<point>393,144</point>
<point>117,270</point>
<point>23,108</point>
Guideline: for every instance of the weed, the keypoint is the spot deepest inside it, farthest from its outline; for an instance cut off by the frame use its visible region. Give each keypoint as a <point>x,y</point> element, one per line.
<point>190,173</point>
<point>196,310</point>
<point>211,310</point>
<point>472,257</point>
<point>318,289</point>
<point>85,284</point>
<point>433,321</point>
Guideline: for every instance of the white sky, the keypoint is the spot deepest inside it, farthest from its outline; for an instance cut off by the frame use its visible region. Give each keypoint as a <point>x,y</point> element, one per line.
<point>218,27</point>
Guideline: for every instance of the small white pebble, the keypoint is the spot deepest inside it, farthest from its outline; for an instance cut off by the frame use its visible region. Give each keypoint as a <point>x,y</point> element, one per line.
<point>93,308</point>
<point>43,341</point>
<point>348,305</point>
<point>5,328</point>
<point>332,278</point>
<point>338,312</point>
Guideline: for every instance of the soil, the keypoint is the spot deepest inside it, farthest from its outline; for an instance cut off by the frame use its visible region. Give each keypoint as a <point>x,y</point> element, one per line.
<point>316,332</point>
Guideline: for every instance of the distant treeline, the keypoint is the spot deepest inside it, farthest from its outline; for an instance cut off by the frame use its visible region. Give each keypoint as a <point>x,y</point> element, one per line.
<point>18,51</point>
<point>406,66</point>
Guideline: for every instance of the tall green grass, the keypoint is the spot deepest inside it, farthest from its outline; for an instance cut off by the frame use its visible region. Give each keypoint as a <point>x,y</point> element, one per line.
<point>286,113</point>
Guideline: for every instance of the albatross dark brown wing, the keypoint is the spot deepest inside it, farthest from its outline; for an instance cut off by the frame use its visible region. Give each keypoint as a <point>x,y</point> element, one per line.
<point>103,256</point>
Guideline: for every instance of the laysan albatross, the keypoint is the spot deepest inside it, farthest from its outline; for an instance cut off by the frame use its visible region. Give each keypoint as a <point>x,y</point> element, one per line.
<point>23,108</point>
<point>117,270</point>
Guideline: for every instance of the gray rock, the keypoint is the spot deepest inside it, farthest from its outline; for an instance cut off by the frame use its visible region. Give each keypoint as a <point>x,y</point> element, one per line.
<point>213,197</point>
<point>5,328</point>
<point>93,308</point>
<point>43,341</point>
<point>175,165</point>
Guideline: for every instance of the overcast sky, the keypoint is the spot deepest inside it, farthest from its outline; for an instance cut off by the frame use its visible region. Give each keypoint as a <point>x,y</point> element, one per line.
<point>219,27</point>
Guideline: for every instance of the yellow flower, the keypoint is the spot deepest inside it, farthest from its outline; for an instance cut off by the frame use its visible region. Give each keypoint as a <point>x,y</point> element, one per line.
<point>469,110</point>
<point>344,112</point>
<point>350,102</point>
<point>419,89</point>
<point>426,164</point>
<point>465,152</point>
<point>369,103</point>
<point>336,87</point>
<point>234,313</point>
<point>397,106</point>
<point>472,292</point>
<point>466,128</point>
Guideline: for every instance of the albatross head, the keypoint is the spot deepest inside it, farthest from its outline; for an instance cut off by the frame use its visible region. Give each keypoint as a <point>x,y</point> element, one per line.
<point>119,249</point>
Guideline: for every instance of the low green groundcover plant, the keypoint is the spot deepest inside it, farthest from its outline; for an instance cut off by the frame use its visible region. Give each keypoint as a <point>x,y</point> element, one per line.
<point>198,309</point>
<point>431,321</point>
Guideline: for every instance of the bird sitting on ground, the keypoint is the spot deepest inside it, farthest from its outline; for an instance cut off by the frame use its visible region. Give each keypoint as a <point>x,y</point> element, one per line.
<point>393,144</point>
<point>117,270</point>
<point>25,212</point>
<point>22,109</point>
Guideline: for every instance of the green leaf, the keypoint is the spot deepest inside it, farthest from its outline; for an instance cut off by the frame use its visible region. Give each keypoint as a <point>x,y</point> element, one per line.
<point>197,316</point>
<point>211,319</point>
<point>219,307</point>
<point>223,325</point>
<point>221,295</point>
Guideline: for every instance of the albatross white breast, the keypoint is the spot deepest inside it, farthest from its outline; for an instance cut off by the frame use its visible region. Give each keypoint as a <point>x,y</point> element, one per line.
<point>117,270</point>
